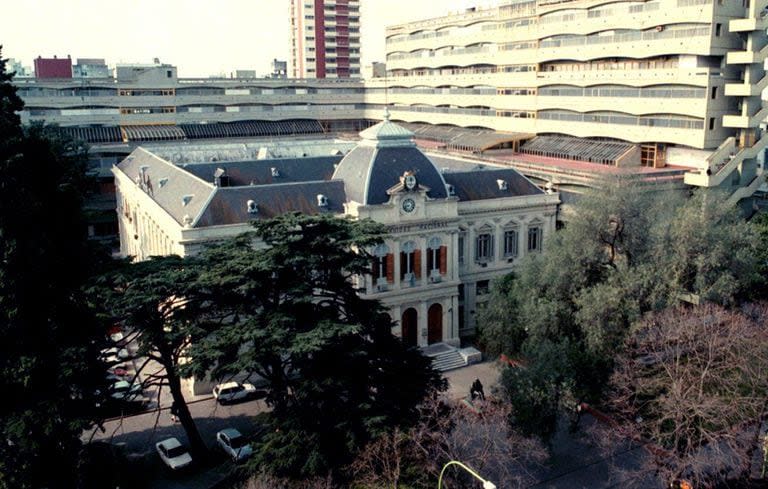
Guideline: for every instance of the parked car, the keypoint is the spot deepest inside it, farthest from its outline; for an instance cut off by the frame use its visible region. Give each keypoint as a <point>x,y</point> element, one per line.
<point>234,391</point>
<point>173,454</point>
<point>124,391</point>
<point>234,444</point>
<point>117,337</point>
<point>114,355</point>
<point>120,371</point>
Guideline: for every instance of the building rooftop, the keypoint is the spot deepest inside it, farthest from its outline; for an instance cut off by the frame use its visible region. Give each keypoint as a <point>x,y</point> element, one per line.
<point>238,187</point>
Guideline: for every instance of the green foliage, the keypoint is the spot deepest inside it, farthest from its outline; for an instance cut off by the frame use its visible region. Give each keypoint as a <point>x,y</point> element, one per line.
<point>49,337</point>
<point>621,255</point>
<point>336,375</point>
<point>160,300</point>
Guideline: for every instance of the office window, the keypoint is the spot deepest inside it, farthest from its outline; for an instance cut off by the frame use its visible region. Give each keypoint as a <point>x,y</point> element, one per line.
<point>510,243</point>
<point>462,237</point>
<point>484,247</point>
<point>409,255</point>
<point>711,123</point>
<point>718,28</point>
<point>535,235</point>
<point>382,263</point>
<point>714,93</point>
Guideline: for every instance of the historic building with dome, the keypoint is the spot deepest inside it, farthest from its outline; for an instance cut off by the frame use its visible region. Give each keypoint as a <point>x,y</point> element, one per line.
<point>454,224</point>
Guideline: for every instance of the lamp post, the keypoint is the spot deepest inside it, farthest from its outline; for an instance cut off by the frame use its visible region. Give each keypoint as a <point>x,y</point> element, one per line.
<point>486,484</point>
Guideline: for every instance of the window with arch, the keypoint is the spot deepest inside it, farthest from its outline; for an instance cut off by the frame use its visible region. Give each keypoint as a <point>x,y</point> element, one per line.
<point>410,261</point>
<point>382,267</point>
<point>437,256</point>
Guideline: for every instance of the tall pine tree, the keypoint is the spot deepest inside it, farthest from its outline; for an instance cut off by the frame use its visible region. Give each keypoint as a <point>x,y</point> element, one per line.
<point>49,339</point>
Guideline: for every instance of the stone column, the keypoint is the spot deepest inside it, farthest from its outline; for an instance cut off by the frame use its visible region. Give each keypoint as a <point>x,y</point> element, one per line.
<point>421,243</point>
<point>421,338</point>
<point>498,244</point>
<point>396,261</point>
<point>397,317</point>
<point>453,253</point>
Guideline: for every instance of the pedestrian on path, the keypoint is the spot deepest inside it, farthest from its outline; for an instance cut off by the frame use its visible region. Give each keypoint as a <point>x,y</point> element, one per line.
<point>174,412</point>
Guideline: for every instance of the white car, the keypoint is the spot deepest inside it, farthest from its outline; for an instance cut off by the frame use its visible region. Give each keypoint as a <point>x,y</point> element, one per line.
<point>233,391</point>
<point>173,454</point>
<point>234,444</point>
<point>124,391</point>
<point>114,355</point>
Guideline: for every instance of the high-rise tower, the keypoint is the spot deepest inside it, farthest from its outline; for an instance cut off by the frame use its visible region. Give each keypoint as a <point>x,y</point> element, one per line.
<point>325,39</point>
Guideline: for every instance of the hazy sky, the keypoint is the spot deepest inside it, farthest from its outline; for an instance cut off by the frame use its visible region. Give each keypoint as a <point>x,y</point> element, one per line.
<point>201,37</point>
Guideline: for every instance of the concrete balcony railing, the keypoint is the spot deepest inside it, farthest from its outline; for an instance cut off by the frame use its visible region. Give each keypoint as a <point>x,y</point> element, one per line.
<point>745,121</point>
<point>748,190</point>
<point>746,89</point>
<point>724,161</point>
<point>747,57</point>
<point>748,25</point>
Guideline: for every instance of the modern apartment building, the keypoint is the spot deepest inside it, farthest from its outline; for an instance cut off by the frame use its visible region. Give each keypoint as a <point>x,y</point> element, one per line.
<point>325,39</point>
<point>148,102</point>
<point>667,82</point>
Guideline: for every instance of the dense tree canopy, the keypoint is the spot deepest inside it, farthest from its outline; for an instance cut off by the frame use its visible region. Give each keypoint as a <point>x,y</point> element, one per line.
<point>336,374</point>
<point>692,382</point>
<point>49,337</point>
<point>158,301</point>
<point>624,253</point>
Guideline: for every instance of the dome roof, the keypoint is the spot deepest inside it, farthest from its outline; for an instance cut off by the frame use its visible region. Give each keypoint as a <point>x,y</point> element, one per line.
<point>385,153</point>
<point>385,132</point>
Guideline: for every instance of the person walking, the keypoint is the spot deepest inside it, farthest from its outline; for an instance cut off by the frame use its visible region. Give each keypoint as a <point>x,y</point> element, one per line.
<point>174,412</point>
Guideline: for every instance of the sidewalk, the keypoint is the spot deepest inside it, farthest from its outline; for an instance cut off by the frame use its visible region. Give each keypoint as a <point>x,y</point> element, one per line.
<point>460,380</point>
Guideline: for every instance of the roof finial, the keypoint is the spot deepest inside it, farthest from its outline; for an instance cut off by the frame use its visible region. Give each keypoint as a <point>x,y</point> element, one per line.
<point>386,114</point>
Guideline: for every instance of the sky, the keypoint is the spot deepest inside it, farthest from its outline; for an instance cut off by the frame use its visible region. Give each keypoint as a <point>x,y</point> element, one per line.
<point>200,37</point>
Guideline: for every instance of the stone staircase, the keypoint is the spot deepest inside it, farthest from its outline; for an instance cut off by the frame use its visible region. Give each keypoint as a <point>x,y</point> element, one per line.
<point>448,360</point>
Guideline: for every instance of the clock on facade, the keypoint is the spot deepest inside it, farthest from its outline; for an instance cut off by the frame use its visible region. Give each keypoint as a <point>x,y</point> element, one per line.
<point>409,205</point>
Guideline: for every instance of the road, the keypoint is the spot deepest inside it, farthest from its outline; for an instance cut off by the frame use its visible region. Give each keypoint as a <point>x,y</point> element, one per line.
<point>138,434</point>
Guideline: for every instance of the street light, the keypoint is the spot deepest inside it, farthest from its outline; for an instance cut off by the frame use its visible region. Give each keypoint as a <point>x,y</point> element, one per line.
<point>486,484</point>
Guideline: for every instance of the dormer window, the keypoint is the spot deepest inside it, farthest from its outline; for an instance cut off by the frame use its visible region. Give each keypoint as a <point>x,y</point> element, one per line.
<point>221,178</point>
<point>502,184</point>
<point>275,172</point>
<point>450,189</point>
<point>163,182</point>
<point>186,200</point>
<point>252,207</point>
<point>322,201</point>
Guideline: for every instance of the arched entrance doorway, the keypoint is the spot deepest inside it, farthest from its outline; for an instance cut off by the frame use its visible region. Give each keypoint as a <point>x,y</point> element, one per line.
<point>409,326</point>
<point>435,324</point>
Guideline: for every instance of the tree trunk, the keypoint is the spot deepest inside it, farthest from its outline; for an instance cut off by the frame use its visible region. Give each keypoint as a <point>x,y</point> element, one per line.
<point>196,444</point>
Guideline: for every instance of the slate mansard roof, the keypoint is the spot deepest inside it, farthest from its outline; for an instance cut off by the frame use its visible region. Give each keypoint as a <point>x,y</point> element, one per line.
<point>386,152</point>
<point>188,194</point>
<point>262,189</point>
<point>259,172</point>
